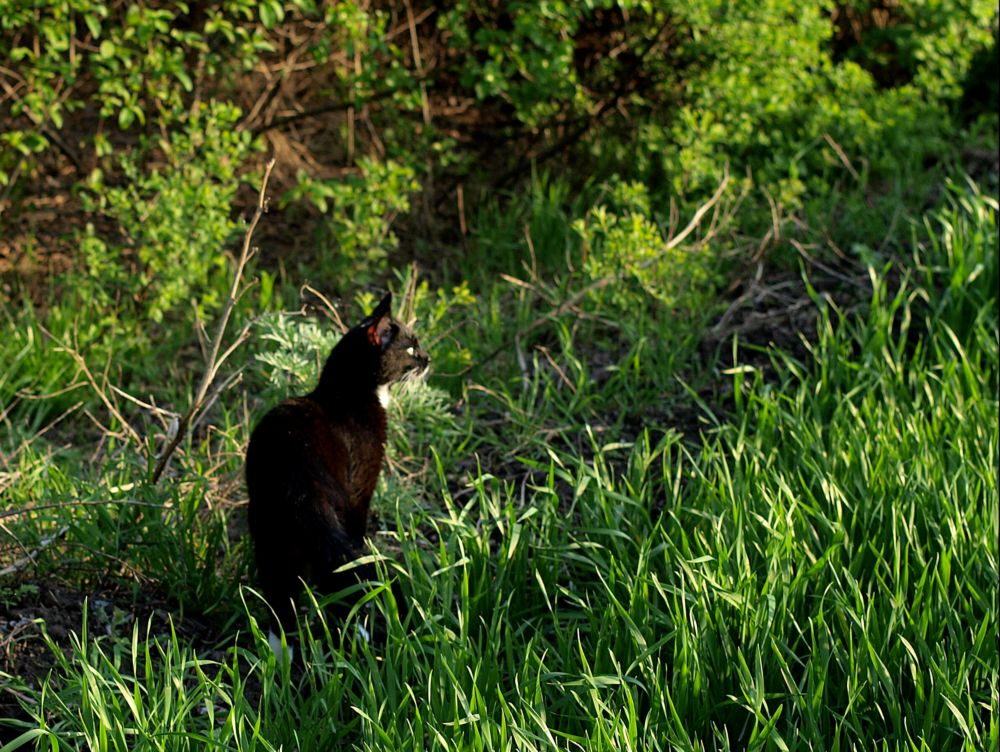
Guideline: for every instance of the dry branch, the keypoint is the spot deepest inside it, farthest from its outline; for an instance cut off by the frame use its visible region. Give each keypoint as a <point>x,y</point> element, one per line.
<point>6,514</point>
<point>29,556</point>
<point>215,360</point>
<point>101,390</point>
<point>331,309</point>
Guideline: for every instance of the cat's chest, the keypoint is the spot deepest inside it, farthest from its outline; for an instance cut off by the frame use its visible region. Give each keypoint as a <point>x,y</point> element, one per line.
<point>363,437</point>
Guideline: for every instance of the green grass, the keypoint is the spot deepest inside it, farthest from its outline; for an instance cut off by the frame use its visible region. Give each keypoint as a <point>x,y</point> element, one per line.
<point>817,569</point>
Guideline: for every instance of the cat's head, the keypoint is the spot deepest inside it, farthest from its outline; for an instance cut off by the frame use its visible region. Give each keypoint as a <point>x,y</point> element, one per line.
<point>399,354</point>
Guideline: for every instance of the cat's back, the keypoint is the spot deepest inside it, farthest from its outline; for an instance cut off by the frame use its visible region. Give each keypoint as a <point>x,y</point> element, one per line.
<point>296,425</point>
<point>294,444</point>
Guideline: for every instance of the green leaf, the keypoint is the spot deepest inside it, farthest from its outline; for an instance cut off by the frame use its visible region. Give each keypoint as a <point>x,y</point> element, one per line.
<point>125,117</point>
<point>185,79</point>
<point>94,24</point>
<point>271,13</point>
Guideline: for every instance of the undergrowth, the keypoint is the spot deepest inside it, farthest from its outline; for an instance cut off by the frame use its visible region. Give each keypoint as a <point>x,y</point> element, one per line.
<point>817,570</point>
<point>688,472</point>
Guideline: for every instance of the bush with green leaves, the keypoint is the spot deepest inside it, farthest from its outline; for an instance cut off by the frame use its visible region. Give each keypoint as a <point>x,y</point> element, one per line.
<point>356,237</point>
<point>143,64</point>
<point>176,220</point>
<point>673,90</point>
<point>929,44</point>
<point>622,240</point>
<point>772,102</point>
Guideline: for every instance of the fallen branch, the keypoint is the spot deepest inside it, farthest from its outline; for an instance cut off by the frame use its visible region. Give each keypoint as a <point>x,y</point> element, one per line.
<point>215,360</point>
<point>29,558</point>
<point>78,503</point>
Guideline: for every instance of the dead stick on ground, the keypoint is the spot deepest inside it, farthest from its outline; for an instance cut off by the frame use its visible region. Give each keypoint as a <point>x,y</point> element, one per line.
<point>214,361</point>
<point>29,557</point>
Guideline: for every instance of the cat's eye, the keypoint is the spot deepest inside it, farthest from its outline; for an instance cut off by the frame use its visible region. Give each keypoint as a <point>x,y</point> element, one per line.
<point>409,351</point>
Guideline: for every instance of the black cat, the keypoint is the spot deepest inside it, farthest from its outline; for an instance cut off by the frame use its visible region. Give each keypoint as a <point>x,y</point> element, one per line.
<point>313,462</point>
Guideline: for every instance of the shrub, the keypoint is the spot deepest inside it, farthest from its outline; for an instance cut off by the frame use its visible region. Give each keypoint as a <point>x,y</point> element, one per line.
<point>175,221</point>
<point>355,237</point>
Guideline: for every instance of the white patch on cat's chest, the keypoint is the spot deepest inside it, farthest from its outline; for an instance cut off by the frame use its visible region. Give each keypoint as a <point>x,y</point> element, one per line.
<point>275,642</point>
<point>383,395</point>
<point>363,633</point>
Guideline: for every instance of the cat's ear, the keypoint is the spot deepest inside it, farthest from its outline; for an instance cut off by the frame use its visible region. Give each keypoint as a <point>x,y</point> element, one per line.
<point>383,308</point>
<point>379,327</point>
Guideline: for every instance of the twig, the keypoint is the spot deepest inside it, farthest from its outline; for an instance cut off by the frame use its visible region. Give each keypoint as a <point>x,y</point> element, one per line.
<point>331,309</point>
<point>214,361</point>
<point>262,102</point>
<point>562,374</point>
<point>29,558</point>
<point>842,156</point>
<point>696,219</point>
<point>98,390</point>
<point>159,412</point>
<point>858,281</point>
<point>462,226</point>
<point>8,460</point>
<point>216,391</point>
<point>336,106</point>
<point>78,503</point>
<point>25,394</point>
<point>48,132</point>
<point>14,537</point>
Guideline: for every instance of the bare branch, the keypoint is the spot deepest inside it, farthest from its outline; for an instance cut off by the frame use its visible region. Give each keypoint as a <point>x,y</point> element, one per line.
<point>29,556</point>
<point>331,309</point>
<point>78,503</point>
<point>214,360</point>
<point>702,210</point>
<point>99,390</point>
